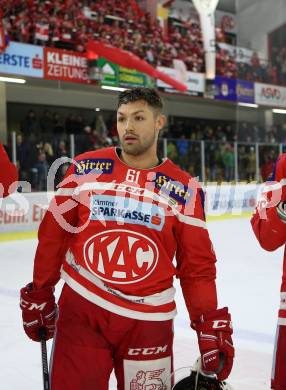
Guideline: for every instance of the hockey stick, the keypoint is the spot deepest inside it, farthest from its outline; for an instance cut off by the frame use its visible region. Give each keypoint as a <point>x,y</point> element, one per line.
<point>45,367</point>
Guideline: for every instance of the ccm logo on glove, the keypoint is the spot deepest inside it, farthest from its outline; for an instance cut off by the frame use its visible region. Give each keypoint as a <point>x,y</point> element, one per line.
<point>221,324</point>
<point>39,311</point>
<point>32,305</point>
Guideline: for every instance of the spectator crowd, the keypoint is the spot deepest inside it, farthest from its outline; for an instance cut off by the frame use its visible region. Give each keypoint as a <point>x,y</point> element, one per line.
<point>41,139</point>
<point>44,136</point>
<point>70,24</point>
<point>184,137</point>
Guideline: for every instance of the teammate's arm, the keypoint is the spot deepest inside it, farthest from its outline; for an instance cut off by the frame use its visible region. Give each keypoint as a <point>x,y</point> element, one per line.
<point>271,231</point>
<point>269,219</point>
<point>8,174</point>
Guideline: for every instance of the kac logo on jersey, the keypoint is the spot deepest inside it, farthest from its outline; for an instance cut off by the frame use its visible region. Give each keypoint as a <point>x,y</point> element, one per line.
<point>173,188</point>
<point>91,165</point>
<point>121,256</point>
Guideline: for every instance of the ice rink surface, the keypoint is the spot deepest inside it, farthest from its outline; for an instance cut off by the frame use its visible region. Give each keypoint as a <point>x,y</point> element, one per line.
<point>248,282</point>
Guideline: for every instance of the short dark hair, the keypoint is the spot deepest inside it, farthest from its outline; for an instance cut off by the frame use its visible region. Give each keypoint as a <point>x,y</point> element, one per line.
<point>149,95</point>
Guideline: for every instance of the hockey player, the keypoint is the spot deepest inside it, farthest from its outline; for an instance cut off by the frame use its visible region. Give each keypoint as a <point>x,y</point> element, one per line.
<point>8,174</point>
<point>111,233</point>
<point>269,226</point>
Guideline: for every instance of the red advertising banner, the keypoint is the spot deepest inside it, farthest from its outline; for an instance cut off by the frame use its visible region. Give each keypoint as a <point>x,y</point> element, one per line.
<point>65,65</point>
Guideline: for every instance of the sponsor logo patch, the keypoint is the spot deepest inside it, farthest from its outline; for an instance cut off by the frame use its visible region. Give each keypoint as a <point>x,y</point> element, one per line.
<point>147,375</point>
<point>120,256</point>
<point>90,165</point>
<point>126,210</point>
<point>173,188</point>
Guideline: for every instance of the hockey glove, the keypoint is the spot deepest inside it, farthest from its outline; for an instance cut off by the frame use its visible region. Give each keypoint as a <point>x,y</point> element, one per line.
<point>214,337</point>
<point>39,311</point>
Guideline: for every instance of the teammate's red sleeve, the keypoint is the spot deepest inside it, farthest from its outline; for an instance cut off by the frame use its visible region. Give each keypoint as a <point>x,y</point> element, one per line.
<point>268,228</point>
<point>8,174</point>
<point>54,234</point>
<point>196,261</point>
<point>270,231</point>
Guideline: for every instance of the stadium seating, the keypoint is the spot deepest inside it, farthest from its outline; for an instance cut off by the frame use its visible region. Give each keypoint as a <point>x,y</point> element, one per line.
<point>69,24</point>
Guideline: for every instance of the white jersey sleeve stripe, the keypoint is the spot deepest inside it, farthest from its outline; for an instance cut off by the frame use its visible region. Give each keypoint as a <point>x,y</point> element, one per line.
<point>282,321</point>
<point>192,221</point>
<point>65,192</point>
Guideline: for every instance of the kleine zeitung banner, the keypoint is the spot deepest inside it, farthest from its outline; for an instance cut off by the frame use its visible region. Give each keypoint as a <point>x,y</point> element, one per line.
<point>65,65</point>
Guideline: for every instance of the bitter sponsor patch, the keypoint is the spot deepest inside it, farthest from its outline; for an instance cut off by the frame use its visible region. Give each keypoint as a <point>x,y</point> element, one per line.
<point>94,165</point>
<point>173,188</point>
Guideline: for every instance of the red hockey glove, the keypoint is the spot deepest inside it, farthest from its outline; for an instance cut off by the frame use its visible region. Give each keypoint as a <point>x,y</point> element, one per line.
<point>39,311</point>
<point>214,336</point>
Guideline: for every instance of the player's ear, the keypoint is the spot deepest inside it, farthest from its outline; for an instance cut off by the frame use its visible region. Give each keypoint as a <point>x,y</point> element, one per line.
<point>160,121</point>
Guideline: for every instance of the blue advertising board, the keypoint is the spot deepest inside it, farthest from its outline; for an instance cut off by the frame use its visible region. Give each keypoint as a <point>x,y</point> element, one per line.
<point>22,59</point>
<point>234,90</point>
<point>225,88</point>
<point>245,91</point>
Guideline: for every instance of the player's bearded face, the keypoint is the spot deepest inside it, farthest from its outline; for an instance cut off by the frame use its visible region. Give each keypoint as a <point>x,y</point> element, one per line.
<point>137,127</point>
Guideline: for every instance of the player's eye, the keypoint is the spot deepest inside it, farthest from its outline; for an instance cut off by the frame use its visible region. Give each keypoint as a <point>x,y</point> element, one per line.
<point>139,118</point>
<point>120,119</point>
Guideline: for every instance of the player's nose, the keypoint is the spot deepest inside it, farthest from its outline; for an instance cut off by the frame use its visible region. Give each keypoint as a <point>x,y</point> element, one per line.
<point>129,125</point>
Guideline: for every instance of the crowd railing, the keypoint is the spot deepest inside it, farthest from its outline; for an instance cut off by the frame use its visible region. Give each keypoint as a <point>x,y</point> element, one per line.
<point>210,161</point>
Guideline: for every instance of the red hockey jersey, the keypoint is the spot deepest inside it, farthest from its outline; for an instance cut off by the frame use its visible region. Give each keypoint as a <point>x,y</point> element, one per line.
<point>269,229</point>
<point>8,174</point>
<point>118,235</point>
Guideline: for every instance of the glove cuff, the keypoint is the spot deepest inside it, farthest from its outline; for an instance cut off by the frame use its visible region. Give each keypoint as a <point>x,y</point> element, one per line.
<point>216,314</point>
<point>45,293</point>
<point>214,321</point>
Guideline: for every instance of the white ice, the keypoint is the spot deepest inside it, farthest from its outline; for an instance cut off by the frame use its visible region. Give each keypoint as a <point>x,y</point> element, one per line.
<point>248,282</point>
